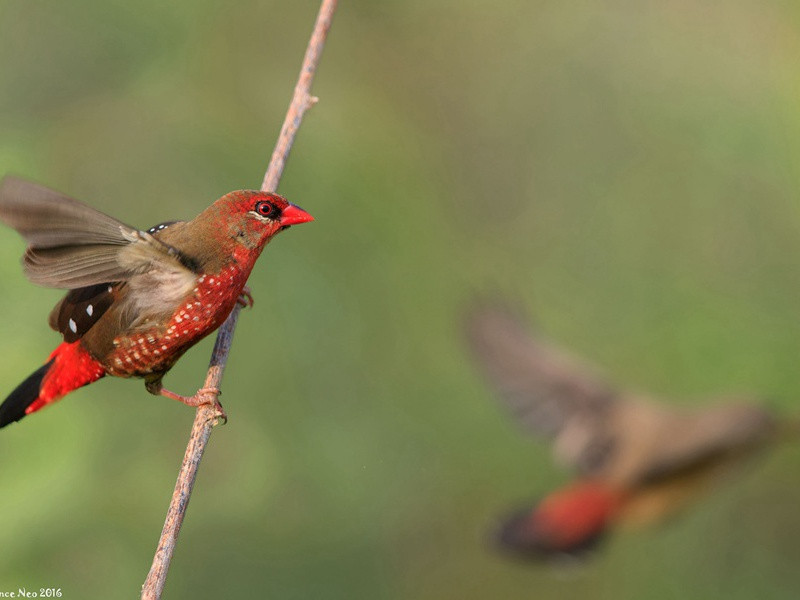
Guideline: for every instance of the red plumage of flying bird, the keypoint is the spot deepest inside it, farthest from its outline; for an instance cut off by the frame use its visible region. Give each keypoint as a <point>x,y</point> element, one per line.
<point>137,300</point>
<point>637,461</point>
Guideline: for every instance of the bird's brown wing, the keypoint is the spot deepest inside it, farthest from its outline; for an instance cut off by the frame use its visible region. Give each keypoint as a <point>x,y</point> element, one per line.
<point>550,393</point>
<point>158,279</point>
<point>79,310</point>
<point>163,277</point>
<point>49,219</point>
<point>72,245</point>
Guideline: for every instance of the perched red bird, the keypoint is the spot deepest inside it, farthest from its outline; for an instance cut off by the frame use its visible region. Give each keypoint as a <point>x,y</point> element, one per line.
<point>138,299</point>
<point>638,461</point>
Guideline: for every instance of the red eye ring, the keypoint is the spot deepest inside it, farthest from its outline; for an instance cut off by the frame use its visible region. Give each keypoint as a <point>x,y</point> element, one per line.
<point>267,209</point>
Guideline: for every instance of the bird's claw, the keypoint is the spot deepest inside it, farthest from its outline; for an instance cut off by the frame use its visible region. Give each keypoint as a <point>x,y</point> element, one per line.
<point>246,298</point>
<point>209,395</point>
<point>219,415</point>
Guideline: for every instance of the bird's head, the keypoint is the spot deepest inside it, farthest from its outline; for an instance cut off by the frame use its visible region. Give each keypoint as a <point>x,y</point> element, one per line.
<point>252,218</point>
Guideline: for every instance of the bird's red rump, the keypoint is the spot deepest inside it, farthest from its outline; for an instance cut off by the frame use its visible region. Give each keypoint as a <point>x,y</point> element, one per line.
<point>73,367</point>
<point>568,516</point>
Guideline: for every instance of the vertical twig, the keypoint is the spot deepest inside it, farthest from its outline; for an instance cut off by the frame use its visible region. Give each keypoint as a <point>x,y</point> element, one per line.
<point>302,99</point>
<point>207,415</point>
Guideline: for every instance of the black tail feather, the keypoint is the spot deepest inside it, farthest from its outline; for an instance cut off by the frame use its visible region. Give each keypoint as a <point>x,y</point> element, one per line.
<point>13,409</point>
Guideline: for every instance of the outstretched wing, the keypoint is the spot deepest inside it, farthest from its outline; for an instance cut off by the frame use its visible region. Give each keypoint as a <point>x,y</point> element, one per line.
<point>70,245</point>
<point>49,219</point>
<point>73,246</point>
<point>551,394</point>
<point>543,387</point>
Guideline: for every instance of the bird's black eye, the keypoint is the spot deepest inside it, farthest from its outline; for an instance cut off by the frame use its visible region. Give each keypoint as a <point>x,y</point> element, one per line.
<point>267,209</point>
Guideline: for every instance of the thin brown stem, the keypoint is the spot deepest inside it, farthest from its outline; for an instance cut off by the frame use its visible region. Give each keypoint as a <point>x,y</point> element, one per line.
<point>302,99</point>
<point>209,415</point>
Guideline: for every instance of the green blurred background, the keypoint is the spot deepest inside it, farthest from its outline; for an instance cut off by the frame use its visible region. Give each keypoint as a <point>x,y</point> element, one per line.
<point>626,170</point>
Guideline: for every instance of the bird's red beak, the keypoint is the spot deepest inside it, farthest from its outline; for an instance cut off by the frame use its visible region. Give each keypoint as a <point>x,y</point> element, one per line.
<point>294,215</point>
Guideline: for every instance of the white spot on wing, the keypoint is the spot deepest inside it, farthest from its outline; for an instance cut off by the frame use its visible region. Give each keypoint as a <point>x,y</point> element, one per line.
<point>89,310</point>
<point>73,326</point>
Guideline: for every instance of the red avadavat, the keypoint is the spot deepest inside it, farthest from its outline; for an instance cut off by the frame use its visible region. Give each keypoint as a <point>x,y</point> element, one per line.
<point>638,461</point>
<point>138,299</point>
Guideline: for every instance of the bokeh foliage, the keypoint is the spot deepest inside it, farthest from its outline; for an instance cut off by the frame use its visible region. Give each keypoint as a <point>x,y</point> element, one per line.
<point>625,170</point>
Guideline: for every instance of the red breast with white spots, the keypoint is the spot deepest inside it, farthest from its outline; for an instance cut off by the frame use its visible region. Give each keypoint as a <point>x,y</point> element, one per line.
<point>156,349</point>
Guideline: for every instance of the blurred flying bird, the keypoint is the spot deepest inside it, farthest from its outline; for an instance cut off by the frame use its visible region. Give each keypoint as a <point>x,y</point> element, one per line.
<point>637,461</point>
<point>138,299</point>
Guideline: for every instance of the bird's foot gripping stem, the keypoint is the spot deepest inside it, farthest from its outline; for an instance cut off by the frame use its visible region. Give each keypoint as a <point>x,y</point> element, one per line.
<point>246,298</point>
<point>202,396</point>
